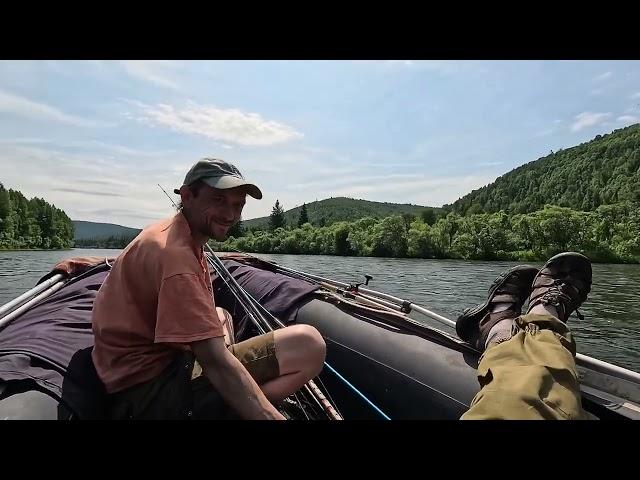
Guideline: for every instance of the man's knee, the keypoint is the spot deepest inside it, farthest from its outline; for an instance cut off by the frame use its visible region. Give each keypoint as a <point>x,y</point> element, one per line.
<point>312,348</point>
<point>311,338</point>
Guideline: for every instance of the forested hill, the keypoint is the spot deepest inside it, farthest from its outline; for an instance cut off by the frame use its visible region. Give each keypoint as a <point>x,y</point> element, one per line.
<point>603,171</point>
<point>332,210</point>
<point>95,230</point>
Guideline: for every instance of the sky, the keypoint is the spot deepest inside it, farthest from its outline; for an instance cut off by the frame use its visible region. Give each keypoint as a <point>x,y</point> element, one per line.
<point>95,138</point>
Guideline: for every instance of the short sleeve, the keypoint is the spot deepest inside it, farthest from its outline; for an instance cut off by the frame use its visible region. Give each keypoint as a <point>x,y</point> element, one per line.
<point>186,311</point>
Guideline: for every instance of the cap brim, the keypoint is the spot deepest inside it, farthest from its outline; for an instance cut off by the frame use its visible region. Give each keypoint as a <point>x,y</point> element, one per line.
<point>230,181</point>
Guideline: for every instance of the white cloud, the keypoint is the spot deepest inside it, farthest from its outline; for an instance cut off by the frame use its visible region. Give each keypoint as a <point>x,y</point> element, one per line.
<point>386,164</point>
<point>88,186</point>
<point>226,125</point>
<point>439,66</point>
<point>406,63</point>
<point>89,145</point>
<point>331,181</point>
<point>602,76</point>
<point>588,119</point>
<point>544,133</point>
<point>21,106</point>
<point>444,66</point>
<point>24,140</point>
<point>119,150</point>
<point>628,119</point>
<point>152,71</point>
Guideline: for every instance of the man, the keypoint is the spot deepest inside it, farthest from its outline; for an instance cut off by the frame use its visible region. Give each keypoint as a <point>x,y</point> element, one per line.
<point>528,370</point>
<point>155,314</point>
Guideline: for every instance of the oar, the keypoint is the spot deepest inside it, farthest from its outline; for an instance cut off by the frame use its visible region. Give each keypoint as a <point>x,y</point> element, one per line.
<point>14,307</point>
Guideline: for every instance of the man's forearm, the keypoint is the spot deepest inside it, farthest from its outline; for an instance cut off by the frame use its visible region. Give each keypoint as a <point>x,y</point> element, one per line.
<point>239,389</point>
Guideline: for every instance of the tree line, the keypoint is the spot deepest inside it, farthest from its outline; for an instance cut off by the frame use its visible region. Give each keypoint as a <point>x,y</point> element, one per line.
<point>32,224</point>
<point>610,233</point>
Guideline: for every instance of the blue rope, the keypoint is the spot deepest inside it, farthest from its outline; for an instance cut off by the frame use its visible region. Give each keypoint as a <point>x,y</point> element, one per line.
<point>384,415</point>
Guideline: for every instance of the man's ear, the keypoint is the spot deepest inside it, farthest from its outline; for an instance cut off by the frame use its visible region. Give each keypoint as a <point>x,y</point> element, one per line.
<point>185,195</point>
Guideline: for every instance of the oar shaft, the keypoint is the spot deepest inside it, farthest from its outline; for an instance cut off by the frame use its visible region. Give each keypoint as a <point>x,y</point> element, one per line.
<point>7,307</point>
<point>23,308</point>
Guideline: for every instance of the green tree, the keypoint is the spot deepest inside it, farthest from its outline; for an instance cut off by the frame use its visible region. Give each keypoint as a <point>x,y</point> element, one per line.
<point>407,218</point>
<point>6,223</point>
<point>390,238</point>
<point>419,242</point>
<point>32,223</point>
<point>428,216</point>
<point>276,219</point>
<point>304,217</point>
<point>610,234</point>
<point>341,232</point>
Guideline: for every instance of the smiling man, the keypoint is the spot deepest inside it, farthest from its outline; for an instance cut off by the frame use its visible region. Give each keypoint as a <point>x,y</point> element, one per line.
<point>155,315</point>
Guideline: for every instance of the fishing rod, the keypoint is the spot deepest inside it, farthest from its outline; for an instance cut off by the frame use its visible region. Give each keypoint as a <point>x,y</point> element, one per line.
<point>355,291</point>
<point>260,310</point>
<point>347,292</point>
<point>251,305</point>
<point>266,312</point>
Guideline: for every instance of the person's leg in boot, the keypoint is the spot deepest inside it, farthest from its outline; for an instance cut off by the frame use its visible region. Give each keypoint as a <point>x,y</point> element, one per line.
<point>527,370</point>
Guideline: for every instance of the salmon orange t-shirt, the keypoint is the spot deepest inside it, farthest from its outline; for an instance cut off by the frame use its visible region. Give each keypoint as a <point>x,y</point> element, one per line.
<point>156,300</point>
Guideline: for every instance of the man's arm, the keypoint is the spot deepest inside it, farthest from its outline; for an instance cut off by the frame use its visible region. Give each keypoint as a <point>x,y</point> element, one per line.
<point>233,381</point>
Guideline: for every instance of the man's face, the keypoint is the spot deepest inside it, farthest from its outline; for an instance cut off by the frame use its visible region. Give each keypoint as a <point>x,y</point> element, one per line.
<point>214,211</point>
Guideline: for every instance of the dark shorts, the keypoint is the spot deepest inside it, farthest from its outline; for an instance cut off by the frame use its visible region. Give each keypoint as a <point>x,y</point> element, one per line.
<point>179,392</point>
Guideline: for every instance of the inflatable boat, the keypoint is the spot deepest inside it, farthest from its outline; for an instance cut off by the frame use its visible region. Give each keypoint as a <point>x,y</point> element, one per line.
<point>384,361</point>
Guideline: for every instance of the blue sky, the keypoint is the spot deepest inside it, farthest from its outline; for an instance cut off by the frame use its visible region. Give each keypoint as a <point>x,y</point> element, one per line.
<point>96,137</point>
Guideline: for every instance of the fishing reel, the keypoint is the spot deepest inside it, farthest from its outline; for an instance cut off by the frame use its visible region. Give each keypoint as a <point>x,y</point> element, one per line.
<point>354,286</point>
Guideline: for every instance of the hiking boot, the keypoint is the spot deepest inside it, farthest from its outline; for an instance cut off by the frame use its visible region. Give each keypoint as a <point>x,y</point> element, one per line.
<point>564,283</point>
<point>511,287</point>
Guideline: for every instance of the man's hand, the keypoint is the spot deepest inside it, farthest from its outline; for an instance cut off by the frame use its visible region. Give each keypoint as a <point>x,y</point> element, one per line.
<point>233,381</point>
